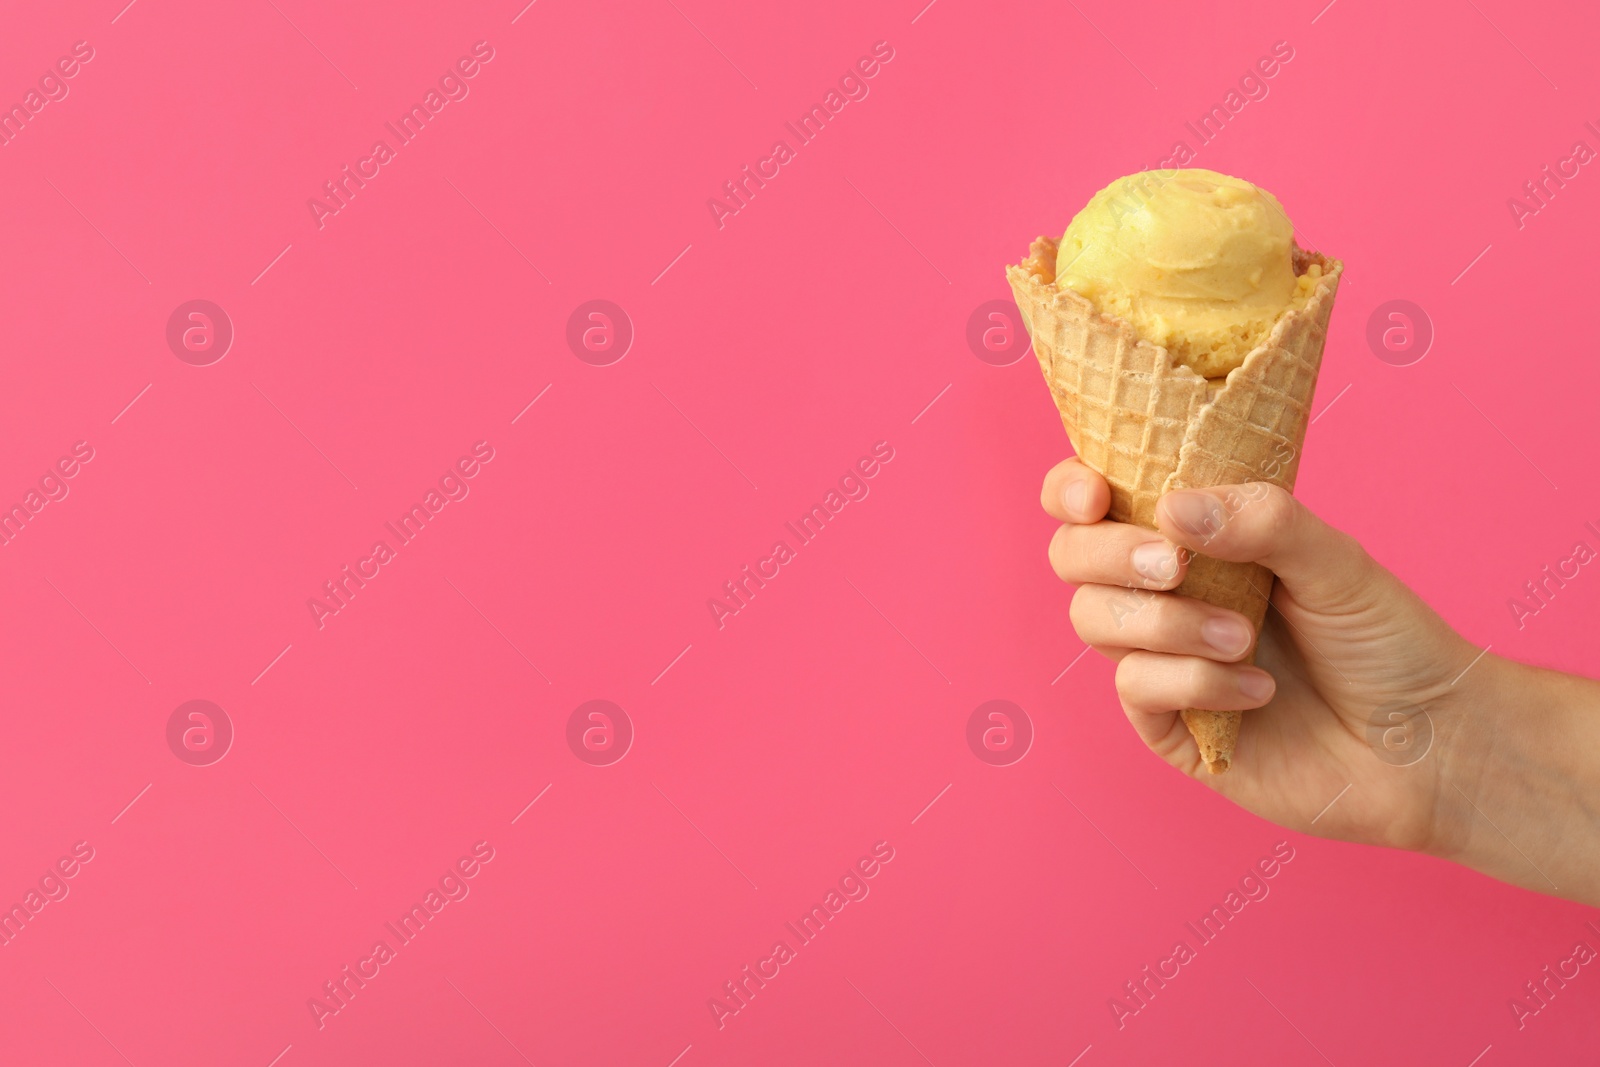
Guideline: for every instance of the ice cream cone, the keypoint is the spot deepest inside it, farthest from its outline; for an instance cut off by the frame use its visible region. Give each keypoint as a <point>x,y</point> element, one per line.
<point>1150,425</point>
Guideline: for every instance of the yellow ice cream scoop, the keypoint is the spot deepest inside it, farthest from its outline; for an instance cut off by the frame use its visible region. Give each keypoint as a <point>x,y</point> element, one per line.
<point>1193,260</point>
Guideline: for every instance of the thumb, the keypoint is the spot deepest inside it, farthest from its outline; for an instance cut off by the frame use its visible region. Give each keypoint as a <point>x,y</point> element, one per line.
<point>1322,568</point>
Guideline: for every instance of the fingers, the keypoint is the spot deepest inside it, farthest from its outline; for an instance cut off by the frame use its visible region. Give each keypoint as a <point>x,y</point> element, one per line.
<point>1089,550</point>
<point>1113,553</point>
<point>1154,684</point>
<point>1111,618</point>
<point>1074,493</point>
<point>1259,522</point>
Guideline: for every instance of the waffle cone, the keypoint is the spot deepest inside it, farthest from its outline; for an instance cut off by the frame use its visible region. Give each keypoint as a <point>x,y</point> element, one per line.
<point>1150,425</point>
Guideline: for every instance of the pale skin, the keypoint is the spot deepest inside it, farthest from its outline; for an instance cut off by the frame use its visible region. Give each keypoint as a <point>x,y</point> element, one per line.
<point>1510,784</point>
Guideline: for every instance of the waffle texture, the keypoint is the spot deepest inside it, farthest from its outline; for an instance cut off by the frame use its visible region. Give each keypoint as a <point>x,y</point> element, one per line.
<point>1150,425</point>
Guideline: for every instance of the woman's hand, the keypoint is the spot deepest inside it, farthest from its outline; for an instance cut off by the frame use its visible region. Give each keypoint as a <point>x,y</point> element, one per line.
<point>1366,718</point>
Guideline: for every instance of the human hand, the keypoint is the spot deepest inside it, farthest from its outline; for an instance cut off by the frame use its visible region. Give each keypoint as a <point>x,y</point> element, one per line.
<point>1344,642</point>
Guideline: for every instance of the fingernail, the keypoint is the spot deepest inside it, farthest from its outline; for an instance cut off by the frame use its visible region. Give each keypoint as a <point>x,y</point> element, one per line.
<point>1195,513</point>
<point>1228,636</point>
<point>1156,561</point>
<point>1076,497</point>
<point>1257,685</point>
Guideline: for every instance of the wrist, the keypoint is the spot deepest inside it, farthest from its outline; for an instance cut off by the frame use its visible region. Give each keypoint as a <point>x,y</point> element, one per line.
<point>1516,761</point>
<point>1467,732</point>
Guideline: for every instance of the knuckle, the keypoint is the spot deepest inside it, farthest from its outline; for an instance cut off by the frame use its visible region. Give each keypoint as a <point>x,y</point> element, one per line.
<point>1194,678</point>
<point>1107,553</point>
<point>1161,623</point>
<point>1059,552</point>
<point>1126,612</point>
<point>1081,610</point>
<point>1130,675</point>
<point>1354,550</point>
<point>1278,512</point>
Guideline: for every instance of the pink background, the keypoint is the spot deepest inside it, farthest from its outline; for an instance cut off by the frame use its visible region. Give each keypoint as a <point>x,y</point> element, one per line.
<point>770,355</point>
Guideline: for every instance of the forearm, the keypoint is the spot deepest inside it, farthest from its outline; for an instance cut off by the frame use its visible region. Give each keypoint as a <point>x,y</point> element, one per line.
<point>1518,793</point>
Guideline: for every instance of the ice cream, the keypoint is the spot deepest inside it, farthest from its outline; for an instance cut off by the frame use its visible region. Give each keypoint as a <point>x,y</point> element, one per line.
<point>1195,261</point>
<point>1162,275</point>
